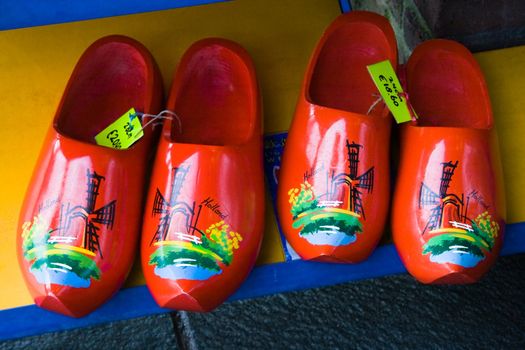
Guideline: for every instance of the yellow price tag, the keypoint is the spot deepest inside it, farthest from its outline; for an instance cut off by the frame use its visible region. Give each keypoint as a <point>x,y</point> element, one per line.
<point>387,83</point>
<point>122,133</point>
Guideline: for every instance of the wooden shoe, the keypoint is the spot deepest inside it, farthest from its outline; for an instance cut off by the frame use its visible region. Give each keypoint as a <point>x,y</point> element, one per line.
<point>80,220</point>
<point>448,207</point>
<point>203,220</point>
<point>333,190</point>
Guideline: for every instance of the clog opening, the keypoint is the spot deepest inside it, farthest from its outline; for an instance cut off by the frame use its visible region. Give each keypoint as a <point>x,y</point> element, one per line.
<point>215,102</point>
<point>446,90</point>
<point>108,81</point>
<point>340,78</point>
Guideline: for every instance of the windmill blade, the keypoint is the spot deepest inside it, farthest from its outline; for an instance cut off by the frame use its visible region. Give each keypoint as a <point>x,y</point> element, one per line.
<point>353,157</point>
<point>433,220</point>
<point>105,215</point>
<point>427,196</point>
<point>446,177</point>
<point>93,185</point>
<point>162,229</point>
<point>91,241</point>
<point>357,202</point>
<point>160,205</point>
<point>366,180</point>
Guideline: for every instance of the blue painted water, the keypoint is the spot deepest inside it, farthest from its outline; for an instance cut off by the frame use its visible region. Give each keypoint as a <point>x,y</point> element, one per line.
<point>332,237</point>
<point>48,276</point>
<point>174,272</point>
<point>460,258</point>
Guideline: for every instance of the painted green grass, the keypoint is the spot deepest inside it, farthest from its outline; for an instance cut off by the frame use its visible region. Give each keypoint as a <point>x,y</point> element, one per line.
<point>36,249</point>
<point>165,255</point>
<point>81,265</point>
<point>348,224</point>
<point>482,238</point>
<point>443,243</point>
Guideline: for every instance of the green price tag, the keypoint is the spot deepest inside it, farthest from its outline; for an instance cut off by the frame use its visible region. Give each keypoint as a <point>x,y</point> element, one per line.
<point>387,83</point>
<point>122,133</point>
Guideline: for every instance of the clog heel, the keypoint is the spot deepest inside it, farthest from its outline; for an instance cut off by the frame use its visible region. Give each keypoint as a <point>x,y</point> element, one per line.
<point>203,220</point>
<point>333,191</point>
<point>448,207</point>
<point>80,219</point>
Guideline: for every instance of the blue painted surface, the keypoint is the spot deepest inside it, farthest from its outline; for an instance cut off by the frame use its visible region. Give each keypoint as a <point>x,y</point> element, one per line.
<point>345,6</point>
<point>273,150</point>
<point>31,320</point>
<point>31,13</point>
<point>264,280</point>
<point>175,272</point>
<point>65,278</point>
<point>331,236</point>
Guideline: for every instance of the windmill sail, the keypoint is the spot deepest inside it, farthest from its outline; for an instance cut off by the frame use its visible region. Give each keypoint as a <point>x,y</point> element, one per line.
<point>160,205</point>
<point>93,184</point>
<point>356,202</point>
<point>105,215</point>
<point>366,180</point>
<point>91,241</point>
<point>434,220</point>
<point>353,158</point>
<point>162,229</point>
<point>446,177</point>
<point>427,196</point>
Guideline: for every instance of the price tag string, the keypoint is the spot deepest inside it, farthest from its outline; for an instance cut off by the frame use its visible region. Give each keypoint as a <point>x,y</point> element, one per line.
<point>375,103</point>
<point>380,99</point>
<point>163,115</point>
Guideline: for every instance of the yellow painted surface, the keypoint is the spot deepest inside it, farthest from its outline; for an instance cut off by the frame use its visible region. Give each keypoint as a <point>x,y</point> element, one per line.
<point>505,74</point>
<point>35,64</point>
<point>77,249</point>
<point>448,230</point>
<point>464,236</point>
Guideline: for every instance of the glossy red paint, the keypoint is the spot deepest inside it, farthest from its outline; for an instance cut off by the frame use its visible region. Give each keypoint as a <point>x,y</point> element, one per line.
<point>448,207</point>
<point>333,192</point>
<point>80,220</point>
<point>203,220</point>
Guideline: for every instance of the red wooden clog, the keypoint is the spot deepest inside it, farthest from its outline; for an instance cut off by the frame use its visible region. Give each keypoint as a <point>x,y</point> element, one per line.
<point>203,220</point>
<point>334,180</point>
<point>80,220</point>
<point>448,208</point>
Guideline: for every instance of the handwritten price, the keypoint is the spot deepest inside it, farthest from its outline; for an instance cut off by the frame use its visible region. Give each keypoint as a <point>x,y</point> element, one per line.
<point>114,138</point>
<point>122,133</point>
<point>391,89</point>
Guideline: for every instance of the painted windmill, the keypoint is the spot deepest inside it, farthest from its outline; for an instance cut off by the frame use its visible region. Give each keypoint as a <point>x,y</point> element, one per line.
<point>168,208</point>
<point>356,183</point>
<point>442,201</point>
<point>104,215</point>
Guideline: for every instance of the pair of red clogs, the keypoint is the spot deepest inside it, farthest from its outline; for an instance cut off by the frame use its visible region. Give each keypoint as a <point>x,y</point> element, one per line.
<point>448,208</point>
<point>203,217</point>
